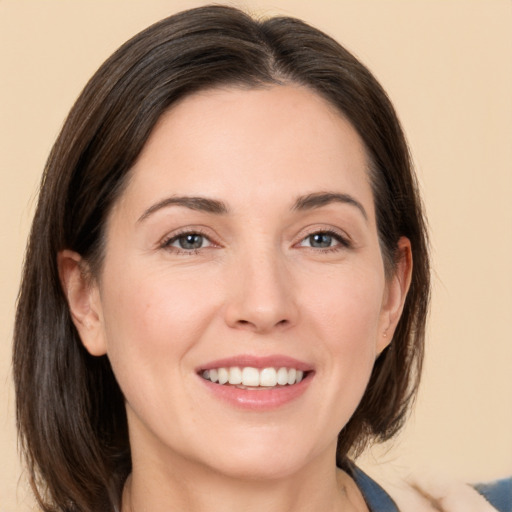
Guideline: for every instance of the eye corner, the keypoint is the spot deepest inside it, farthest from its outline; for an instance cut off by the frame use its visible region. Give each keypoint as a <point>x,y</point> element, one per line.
<point>325,240</point>
<point>188,241</point>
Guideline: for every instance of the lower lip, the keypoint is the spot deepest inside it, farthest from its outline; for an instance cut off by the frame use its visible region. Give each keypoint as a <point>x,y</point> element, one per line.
<point>259,399</point>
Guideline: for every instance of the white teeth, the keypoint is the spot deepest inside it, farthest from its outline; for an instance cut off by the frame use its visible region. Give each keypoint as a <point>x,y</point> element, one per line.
<point>253,377</point>
<point>268,377</point>
<point>223,375</point>
<point>250,376</point>
<point>235,376</point>
<point>282,376</point>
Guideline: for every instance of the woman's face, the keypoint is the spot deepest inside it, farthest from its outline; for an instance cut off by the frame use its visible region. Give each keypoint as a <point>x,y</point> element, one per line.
<point>244,247</point>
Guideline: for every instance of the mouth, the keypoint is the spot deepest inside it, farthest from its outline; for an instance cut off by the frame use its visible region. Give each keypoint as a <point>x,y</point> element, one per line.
<point>257,383</point>
<point>251,378</point>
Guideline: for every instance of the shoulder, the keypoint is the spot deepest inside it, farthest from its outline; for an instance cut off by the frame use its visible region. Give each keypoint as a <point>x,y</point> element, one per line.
<point>375,496</point>
<point>451,496</point>
<point>498,493</point>
<point>429,494</point>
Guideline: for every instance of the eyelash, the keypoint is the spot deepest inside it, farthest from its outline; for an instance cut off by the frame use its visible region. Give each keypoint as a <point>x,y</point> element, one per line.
<point>343,241</point>
<point>166,243</point>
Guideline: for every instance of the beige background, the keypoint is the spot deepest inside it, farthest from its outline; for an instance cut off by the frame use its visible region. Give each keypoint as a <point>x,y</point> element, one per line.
<point>447,66</point>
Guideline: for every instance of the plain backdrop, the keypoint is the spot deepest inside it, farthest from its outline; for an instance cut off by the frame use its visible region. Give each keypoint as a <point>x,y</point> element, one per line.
<point>447,66</point>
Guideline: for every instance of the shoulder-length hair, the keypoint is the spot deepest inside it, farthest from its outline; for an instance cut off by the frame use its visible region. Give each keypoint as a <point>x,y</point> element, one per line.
<point>70,410</point>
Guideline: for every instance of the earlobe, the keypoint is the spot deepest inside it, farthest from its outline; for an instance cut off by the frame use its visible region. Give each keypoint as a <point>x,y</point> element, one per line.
<point>83,301</point>
<point>396,293</point>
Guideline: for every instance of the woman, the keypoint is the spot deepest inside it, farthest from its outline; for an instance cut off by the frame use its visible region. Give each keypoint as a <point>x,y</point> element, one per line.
<point>227,278</point>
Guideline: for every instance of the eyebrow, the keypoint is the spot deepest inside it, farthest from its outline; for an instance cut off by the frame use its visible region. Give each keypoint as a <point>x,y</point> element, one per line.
<point>208,205</point>
<point>202,204</point>
<point>319,199</point>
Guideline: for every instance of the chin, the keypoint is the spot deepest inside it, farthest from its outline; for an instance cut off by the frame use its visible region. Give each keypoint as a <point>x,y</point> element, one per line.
<point>264,457</point>
<point>260,467</point>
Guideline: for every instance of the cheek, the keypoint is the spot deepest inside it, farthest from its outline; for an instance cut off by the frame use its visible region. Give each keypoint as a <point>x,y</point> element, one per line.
<point>349,307</point>
<point>346,315</point>
<point>152,320</point>
<point>155,308</point>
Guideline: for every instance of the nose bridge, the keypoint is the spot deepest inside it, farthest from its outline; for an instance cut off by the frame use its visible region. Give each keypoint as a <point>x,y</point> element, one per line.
<point>261,297</point>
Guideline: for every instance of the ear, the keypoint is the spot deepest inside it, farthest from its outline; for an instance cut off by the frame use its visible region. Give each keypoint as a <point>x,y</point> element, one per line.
<point>83,300</point>
<point>396,292</point>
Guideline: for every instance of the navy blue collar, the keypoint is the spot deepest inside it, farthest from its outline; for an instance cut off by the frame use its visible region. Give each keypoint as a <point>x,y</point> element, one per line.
<point>497,493</point>
<point>377,499</point>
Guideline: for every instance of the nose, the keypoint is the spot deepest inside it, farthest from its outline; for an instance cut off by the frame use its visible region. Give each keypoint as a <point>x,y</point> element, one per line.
<point>261,295</point>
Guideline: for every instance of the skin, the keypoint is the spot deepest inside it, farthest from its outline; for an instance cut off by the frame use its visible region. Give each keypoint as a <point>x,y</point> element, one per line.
<point>258,285</point>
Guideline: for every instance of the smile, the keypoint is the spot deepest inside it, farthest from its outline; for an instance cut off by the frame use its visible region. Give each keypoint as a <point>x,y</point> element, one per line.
<point>257,383</point>
<point>254,378</point>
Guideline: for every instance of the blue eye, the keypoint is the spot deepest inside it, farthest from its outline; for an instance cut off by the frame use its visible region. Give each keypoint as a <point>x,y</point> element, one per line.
<point>320,240</point>
<point>324,240</point>
<point>188,242</point>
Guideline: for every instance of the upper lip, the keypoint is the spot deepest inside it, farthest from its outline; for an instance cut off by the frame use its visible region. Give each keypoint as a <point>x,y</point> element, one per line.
<point>260,362</point>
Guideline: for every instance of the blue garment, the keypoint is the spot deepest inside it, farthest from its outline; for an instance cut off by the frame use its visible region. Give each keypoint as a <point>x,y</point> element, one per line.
<point>497,493</point>
<point>377,499</point>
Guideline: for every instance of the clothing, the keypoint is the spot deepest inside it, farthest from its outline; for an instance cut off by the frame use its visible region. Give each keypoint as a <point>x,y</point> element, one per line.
<point>497,493</point>
<point>377,499</point>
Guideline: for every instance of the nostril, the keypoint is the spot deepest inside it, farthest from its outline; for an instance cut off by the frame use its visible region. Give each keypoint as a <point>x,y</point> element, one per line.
<point>261,326</point>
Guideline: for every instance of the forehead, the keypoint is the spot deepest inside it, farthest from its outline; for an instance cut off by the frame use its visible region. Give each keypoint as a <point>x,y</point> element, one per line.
<point>245,144</point>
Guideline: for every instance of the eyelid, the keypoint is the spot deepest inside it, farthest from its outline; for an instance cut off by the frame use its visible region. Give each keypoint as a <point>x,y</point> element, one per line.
<point>343,239</point>
<point>165,242</point>
<point>341,236</point>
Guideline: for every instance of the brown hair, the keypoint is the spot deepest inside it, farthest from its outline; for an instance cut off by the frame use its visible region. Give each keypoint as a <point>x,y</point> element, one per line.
<point>70,410</point>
